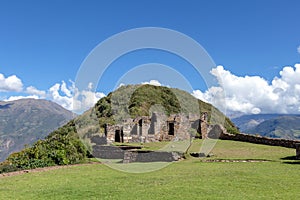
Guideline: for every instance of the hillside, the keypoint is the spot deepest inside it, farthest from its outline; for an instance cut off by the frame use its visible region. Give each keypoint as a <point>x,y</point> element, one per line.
<point>64,146</point>
<point>25,121</point>
<point>270,125</point>
<point>141,100</point>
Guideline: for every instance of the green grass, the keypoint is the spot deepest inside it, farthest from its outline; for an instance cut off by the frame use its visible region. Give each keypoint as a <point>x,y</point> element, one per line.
<point>226,149</point>
<point>187,179</point>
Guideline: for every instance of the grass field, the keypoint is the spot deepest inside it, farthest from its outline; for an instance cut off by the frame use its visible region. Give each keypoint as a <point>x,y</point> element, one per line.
<point>279,178</point>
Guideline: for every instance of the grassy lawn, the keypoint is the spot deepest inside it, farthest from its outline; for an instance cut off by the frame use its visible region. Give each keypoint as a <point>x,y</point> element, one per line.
<point>187,179</point>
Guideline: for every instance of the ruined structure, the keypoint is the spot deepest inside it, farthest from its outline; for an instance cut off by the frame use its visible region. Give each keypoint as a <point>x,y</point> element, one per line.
<point>157,127</point>
<point>204,125</point>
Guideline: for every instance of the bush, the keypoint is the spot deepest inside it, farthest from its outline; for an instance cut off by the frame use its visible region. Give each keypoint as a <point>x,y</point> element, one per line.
<point>6,167</point>
<point>232,130</point>
<point>61,147</point>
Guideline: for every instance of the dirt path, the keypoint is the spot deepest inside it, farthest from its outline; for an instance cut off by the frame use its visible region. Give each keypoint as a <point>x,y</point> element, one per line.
<point>43,169</point>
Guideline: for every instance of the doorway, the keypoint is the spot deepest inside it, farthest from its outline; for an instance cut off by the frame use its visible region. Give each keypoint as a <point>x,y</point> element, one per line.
<point>171,129</point>
<point>119,137</point>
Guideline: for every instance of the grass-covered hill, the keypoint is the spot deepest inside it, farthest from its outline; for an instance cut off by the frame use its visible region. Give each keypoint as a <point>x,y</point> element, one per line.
<point>140,100</point>
<point>25,121</point>
<point>65,146</point>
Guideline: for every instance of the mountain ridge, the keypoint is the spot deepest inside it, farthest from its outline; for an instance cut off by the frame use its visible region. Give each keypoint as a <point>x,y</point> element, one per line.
<point>24,121</point>
<point>285,126</point>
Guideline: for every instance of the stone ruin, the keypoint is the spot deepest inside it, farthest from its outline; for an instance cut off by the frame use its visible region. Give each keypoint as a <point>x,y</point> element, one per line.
<point>298,151</point>
<point>157,127</point>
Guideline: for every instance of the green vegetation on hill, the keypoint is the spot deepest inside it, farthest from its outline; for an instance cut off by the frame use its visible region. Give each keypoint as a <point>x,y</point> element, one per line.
<point>148,95</point>
<point>61,147</point>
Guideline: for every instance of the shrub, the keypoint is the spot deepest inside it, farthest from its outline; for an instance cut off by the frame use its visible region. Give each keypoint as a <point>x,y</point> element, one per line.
<point>6,167</point>
<point>61,147</point>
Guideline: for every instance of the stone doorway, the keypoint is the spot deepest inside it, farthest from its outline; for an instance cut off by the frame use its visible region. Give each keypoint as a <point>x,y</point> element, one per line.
<point>119,137</point>
<point>140,127</point>
<point>171,129</point>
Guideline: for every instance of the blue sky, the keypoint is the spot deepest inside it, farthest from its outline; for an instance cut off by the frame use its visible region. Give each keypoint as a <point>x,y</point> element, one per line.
<point>43,43</point>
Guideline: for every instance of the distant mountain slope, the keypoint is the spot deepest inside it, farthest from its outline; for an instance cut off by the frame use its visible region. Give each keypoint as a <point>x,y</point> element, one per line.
<point>287,127</point>
<point>25,121</point>
<point>270,125</point>
<point>246,122</point>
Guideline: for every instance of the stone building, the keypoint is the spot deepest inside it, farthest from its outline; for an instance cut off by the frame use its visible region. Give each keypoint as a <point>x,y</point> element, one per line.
<point>157,127</point>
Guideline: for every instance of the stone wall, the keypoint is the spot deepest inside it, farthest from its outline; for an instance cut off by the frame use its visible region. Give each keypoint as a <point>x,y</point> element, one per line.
<point>298,151</point>
<point>259,140</point>
<point>156,128</point>
<point>204,125</point>
<point>151,156</point>
<point>218,131</point>
<point>108,152</point>
<point>134,155</point>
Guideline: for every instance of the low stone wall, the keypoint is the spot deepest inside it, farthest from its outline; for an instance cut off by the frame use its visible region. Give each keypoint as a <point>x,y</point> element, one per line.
<point>134,155</point>
<point>298,151</point>
<point>259,140</point>
<point>108,152</point>
<point>151,156</point>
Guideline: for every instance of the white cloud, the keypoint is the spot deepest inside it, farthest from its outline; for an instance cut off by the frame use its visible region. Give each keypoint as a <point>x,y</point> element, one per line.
<point>255,111</point>
<point>298,49</point>
<point>152,82</point>
<point>13,98</point>
<point>90,86</point>
<point>10,84</point>
<point>253,94</point>
<point>200,95</point>
<point>71,98</point>
<point>33,91</point>
<point>87,100</point>
<point>59,94</point>
<point>121,84</point>
<point>65,90</point>
<point>62,93</point>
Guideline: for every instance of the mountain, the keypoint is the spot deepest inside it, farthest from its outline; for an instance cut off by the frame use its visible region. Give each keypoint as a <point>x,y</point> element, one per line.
<point>25,121</point>
<point>65,145</point>
<point>270,125</point>
<point>246,122</point>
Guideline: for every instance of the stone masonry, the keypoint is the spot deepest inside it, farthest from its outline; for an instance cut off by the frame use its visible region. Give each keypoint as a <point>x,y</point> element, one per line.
<point>157,127</point>
<point>298,151</point>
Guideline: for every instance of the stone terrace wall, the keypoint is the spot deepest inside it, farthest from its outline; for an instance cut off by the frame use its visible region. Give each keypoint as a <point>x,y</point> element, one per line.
<point>259,140</point>
<point>298,151</point>
<point>133,155</point>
